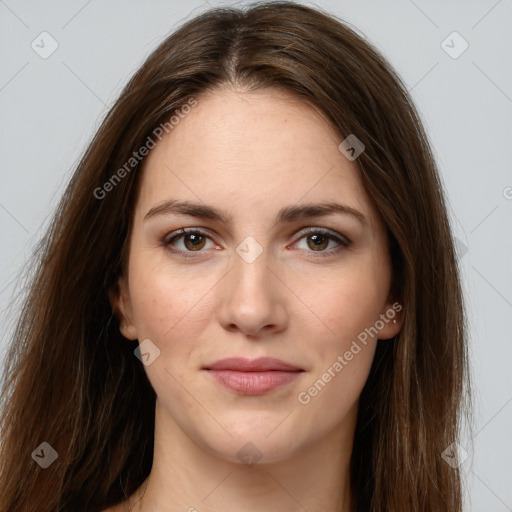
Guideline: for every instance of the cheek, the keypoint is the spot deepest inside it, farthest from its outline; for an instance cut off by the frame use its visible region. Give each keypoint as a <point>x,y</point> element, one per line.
<point>348,306</point>
<point>345,303</point>
<point>173,310</point>
<point>170,306</point>
<point>340,330</point>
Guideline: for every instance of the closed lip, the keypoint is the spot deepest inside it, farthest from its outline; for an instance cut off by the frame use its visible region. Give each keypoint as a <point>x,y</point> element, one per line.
<point>261,364</point>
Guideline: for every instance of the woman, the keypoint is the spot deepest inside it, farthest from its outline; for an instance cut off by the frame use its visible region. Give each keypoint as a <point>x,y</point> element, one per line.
<point>248,297</point>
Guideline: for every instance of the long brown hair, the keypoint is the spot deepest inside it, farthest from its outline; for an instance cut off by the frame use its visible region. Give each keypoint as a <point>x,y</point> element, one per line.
<point>72,380</point>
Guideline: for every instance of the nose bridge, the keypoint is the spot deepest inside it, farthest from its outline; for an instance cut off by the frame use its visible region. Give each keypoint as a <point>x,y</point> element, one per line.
<point>252,300</point>
<point>251,271</point>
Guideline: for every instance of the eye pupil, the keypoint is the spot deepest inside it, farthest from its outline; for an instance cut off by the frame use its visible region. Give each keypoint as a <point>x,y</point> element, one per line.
<point>196,240</point>
<point>319,241</point>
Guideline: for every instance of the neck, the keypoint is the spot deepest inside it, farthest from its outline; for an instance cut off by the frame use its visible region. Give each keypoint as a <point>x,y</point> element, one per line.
<point>188,477</point>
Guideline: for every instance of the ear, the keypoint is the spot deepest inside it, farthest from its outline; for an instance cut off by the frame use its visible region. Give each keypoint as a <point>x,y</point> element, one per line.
<point>120,302</point>
<point>391,319</point>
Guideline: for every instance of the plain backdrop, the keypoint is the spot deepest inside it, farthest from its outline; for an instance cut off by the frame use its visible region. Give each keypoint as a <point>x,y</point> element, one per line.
<point>50,108</point>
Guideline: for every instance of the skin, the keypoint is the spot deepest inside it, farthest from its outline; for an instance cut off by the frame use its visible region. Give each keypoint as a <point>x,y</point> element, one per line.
<point>250,154</point>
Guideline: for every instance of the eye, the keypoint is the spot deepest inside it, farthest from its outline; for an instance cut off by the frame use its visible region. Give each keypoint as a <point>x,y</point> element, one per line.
<point>193,240</point>
<point>317,240</point>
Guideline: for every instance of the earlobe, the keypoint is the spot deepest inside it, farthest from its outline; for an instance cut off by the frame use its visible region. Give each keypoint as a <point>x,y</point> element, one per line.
<point>391,320</point>
<point>121,305</point>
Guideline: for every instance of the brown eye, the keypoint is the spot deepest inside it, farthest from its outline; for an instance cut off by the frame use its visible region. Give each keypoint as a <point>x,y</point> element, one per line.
<point>187,242</point>
<point>193,241</point>
<point>318,242</point>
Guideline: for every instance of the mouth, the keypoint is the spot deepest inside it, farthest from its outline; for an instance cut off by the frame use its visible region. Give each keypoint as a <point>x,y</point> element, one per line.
<point>253,377</point>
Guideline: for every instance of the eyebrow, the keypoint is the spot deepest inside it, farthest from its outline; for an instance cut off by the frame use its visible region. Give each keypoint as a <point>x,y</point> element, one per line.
<point>287,214</point>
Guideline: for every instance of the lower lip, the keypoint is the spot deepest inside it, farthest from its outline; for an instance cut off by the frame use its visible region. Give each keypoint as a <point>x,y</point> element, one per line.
<point>253,383</point>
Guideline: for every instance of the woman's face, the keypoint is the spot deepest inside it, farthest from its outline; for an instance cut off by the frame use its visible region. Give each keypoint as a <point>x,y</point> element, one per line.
<point>267,276</point>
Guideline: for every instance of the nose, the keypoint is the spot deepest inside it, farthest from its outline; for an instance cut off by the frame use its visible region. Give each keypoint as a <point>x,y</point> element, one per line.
<point>252,299</point>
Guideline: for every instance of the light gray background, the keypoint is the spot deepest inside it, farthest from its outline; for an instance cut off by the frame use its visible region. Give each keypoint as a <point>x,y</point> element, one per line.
<point>51,107</point>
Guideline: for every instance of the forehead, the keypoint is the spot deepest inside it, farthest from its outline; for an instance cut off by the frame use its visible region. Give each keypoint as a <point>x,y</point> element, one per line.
<point>260,126</point>
<point>251,150</point>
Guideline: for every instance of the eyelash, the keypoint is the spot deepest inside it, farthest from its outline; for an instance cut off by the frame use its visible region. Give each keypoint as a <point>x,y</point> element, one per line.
<point>343,242</point>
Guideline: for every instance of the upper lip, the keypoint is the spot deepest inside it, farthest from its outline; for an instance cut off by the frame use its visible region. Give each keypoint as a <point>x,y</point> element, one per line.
<point>261,364</point>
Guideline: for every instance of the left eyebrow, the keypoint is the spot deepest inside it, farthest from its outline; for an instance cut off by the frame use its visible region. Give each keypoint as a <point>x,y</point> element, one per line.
<point>311,210</point>
<point>287,214</point>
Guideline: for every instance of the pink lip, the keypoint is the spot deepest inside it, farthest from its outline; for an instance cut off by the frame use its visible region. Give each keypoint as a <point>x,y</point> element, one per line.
<point>253,377</point>
<point>262,364</point>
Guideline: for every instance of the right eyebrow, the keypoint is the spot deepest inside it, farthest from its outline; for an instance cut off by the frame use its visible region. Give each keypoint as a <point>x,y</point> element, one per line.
<point>188,208</point>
